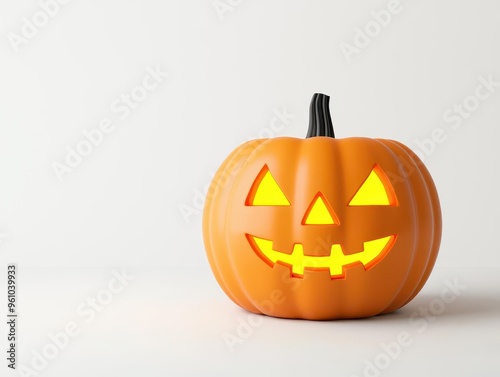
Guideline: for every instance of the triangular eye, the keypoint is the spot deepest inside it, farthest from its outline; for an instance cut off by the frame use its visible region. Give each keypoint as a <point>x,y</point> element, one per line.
<point>320,213</point>
<point>265,191</point>
<point>376,190</point>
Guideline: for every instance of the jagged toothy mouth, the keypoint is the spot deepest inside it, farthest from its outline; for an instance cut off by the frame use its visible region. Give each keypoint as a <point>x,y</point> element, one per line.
<point>373,252</point>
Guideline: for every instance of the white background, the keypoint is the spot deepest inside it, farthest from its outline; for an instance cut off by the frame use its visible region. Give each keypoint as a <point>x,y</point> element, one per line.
<point>230,70</point>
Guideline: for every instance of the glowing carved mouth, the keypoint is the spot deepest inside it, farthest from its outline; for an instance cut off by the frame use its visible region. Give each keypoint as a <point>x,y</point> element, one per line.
<point>374,251</point>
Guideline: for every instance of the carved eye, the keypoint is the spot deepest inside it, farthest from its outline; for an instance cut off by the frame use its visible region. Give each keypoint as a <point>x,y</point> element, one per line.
<point>376,190</point>
<point>265,191</point>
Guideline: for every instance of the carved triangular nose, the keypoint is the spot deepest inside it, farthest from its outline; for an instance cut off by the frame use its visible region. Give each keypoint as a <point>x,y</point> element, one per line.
<point>320,212</point>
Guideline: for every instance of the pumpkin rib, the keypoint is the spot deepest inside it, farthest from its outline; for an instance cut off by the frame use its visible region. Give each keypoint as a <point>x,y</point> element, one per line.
<point>434,203</point>
<point>415,230</point>
<point>298,309</point>
<point>434,196</point>
<point>410,283</point>
<point>428,247</point>
<point>342,311</point>
<point>207,231</point>
<point>227,288</point>
<point>419,263</point>
<point>252,304</point>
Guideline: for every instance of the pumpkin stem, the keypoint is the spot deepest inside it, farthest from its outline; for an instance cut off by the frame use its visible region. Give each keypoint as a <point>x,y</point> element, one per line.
<point>320,122</point>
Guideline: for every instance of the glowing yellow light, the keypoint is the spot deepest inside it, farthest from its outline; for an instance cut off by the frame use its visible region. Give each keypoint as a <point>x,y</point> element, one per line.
<point>268,193</point>
<point>318,213</point>
<point>373,252</point>
<point>375,190</point>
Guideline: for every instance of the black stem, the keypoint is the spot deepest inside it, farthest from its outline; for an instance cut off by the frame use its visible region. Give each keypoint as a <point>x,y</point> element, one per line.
<point>320,122</point>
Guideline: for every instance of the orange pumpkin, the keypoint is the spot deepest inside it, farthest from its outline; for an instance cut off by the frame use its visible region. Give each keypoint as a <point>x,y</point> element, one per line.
<point>322,228</point>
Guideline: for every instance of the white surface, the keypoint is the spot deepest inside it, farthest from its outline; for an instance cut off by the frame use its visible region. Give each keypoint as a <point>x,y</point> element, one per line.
<point>120,208</point>
<point>176,324</point>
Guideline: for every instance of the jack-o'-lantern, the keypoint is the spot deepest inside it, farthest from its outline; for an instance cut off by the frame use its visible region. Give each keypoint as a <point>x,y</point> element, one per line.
<point>322,228</point>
